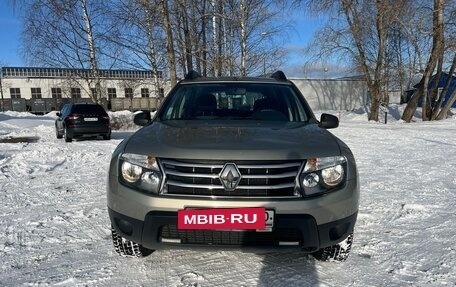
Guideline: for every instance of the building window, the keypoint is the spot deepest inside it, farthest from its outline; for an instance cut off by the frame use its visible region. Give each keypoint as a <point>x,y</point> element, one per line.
<point>161,93</point>
<point>128,93</point>
<point>56,93</point>
<point>75,93</point>
<point>112,93</point>
<point>144,93</point>
<point>36,93</point>
<point>15,93</point>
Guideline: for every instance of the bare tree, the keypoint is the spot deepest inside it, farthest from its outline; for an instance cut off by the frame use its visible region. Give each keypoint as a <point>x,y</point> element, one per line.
<point>140,36</point>
<point>96,94</point>
<point>252,31</point>
<point>363,35</point>
<point>233,37</point>
<point>66,33</point>
<point>408,43</point>
<point>435,57</point>
<point>451,100</point>
<point>224,37</point>
<point>165,13</point>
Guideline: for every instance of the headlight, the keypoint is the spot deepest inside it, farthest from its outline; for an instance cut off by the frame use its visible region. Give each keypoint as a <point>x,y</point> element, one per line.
<point>323,174</point>
<point>131,172</point>
<point>140,172</point>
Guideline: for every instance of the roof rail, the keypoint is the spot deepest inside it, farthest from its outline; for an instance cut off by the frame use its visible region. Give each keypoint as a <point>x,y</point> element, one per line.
<point>279,75</point>
<point>191,75</point>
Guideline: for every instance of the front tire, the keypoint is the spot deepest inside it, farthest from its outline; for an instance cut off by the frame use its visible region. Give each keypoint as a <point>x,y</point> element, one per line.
<point>337,252</point>
<point>128,248</point>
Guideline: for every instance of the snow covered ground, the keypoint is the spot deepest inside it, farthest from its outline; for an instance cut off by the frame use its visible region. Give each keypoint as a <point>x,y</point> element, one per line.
<point>54,226</point>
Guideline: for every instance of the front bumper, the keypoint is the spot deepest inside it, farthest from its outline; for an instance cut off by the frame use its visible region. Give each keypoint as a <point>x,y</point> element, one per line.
<point>310,224</point>
<point>159,231</point>
<point>78,131</point>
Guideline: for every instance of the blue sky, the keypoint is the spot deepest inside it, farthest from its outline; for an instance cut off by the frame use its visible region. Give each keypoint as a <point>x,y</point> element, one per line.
<point>9,34</point>
<point>10,29</point>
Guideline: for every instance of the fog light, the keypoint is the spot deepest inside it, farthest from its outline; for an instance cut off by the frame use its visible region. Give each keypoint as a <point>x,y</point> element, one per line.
<point>311,180</point>
<point>150,181</point>
<point>125,227</point>
<point>339,231</point>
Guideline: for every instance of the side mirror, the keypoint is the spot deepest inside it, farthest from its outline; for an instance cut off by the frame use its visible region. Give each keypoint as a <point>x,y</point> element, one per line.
<point>328,121</point>
<point>58,114</point>
<point>142,118</point>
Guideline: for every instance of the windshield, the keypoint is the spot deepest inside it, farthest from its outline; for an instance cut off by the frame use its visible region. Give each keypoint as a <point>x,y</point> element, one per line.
<point>243,101</point>
<point>89,109</point>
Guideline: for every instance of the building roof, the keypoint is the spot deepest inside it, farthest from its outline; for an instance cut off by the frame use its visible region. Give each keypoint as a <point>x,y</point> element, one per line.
<point>42,72</point>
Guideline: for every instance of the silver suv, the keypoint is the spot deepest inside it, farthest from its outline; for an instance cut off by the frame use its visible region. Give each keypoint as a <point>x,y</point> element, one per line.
<point>234,161</point>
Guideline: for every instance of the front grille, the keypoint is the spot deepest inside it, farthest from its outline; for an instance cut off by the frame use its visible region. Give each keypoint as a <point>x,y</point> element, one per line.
<point>242,238</point>
<point>258,179</point>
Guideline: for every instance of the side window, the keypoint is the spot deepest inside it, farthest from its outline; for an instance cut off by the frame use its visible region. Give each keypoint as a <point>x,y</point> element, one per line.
<point>66,110</point>
<point>179,105</point>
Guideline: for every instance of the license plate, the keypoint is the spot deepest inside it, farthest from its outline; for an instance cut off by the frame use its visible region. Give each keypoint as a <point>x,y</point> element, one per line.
<point>90,119</point>
<point>255,218</point>
<point>268,220</point>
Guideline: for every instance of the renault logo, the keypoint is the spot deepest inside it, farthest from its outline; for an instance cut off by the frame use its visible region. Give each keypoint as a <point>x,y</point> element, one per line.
<point>230,176</point>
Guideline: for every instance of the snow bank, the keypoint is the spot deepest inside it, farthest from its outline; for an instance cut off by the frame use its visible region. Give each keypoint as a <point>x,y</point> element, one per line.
<point>55,229</point>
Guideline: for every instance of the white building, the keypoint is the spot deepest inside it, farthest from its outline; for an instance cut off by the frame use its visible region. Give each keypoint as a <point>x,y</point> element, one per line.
<point>334,94</point>
<point>45,89</point>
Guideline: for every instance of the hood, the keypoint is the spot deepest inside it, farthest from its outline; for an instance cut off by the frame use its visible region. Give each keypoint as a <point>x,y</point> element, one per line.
<point>250,141</point>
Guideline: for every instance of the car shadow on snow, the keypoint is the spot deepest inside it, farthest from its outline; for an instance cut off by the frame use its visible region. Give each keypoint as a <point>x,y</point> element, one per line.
<point>288,268</point>
<point>115,135</point>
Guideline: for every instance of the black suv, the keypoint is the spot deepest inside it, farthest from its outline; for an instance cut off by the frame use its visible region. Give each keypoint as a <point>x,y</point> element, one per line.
<point>82,120</point>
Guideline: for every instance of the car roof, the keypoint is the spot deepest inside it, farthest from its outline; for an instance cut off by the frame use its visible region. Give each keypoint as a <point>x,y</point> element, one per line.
<point>276,77</point>
<point>233,80</point>
<point>85,104</point>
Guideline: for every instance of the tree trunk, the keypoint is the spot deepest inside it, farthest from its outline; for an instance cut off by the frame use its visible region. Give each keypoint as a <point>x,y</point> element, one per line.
<point>169,42</point>
<point>95,74</point>
<point>375,78</point>
<point>375,106</point>
<point>437,49</point>
<point>420,92</point>
<point>382,35</point>
<point>215,40</point>
<point>444,111</point>
<point>243,19</point>
<point>152,52</point>
<point>187,37</point>
<point>222,41</point>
